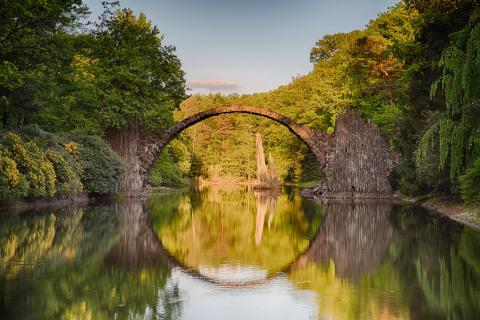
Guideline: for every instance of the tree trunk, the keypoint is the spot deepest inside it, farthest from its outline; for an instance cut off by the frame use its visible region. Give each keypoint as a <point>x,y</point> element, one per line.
<point>126,142</point>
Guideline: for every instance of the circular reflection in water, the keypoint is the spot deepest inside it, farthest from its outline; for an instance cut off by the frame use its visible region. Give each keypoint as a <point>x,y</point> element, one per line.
<point>235,235</point>
<point>233,273</point>
<point>279,299</point>
<point>356,260</point>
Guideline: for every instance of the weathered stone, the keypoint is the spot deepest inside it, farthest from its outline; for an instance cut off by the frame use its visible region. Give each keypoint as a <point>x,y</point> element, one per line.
<point>272,172</point>
<point>126,142</point>
<point>355,158</point>
<point>359,163</point>
<point>266,175</point>
<point>262,171</point>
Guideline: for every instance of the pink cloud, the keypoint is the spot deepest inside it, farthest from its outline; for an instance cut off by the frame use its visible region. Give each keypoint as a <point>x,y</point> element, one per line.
<point>213,85</point>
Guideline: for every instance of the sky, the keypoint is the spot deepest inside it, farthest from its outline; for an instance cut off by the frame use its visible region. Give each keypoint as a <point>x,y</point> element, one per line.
<point>245,46</point>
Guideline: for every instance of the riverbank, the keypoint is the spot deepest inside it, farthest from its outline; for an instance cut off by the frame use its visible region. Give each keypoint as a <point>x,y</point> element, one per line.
<point>451,208</point>
<point>82,199</point>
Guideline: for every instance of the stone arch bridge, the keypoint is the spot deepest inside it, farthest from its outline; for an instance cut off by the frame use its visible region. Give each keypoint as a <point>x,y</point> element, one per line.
<point>355,158</point>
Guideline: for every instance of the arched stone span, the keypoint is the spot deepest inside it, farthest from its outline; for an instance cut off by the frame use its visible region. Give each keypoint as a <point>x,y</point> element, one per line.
<point>317,142</point>
<point>355,158</point>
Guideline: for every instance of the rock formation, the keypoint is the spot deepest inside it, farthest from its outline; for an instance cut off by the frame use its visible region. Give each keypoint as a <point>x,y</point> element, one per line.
<point>266,175</point>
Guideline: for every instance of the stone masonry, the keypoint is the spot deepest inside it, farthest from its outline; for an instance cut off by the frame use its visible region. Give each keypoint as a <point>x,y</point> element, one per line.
<point>355,158</point>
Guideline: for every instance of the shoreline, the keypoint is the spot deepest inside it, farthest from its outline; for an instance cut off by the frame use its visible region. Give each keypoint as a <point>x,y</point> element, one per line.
<point>82,199</point>
<point>450,208</point>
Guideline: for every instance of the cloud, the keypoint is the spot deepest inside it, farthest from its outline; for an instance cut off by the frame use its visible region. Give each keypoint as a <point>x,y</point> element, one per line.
<point>213,85</point>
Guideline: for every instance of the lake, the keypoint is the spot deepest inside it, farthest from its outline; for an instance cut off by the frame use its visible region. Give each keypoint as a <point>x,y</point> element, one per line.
<point>237,253</point>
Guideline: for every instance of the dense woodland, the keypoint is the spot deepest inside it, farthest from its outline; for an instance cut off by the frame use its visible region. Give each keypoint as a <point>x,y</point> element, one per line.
<point>64,81</point>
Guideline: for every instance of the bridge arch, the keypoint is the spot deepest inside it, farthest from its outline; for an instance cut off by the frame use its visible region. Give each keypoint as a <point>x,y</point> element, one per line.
<point>306,134</point>
<point>355,158</point>
<point>317,142</point>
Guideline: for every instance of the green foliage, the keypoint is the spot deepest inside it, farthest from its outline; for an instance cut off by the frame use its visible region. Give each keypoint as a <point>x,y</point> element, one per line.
<point>470,184</point>
<point>101,167</point>
<point>84,80</point>
<point>358,68</point>
<point>67,180</point>
<point>36,163</point>
<point>405,178</point>
<point>26,170</point>
<point>34,52</point>
<point>13,184</point>
<point>445,136</point>
<point>137,77</point>
<point>457,128</point>
<point>172,166</point>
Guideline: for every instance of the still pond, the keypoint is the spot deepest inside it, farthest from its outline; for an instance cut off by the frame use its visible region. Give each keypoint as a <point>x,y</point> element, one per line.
<point>236,253</point>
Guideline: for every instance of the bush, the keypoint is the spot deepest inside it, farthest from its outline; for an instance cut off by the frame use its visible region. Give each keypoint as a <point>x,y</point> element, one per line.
<point>68,182</point>
<point>101,167</point>
<point>62,152</point>
<point>13,184</point>
<point>470,184</point>
<point>36,163</point>
<point>33,171</point>
<point>166,172</point>
<point>83,162</point>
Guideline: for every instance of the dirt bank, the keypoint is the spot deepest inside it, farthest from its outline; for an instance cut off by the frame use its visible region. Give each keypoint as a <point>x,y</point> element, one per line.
<point>452,208</point>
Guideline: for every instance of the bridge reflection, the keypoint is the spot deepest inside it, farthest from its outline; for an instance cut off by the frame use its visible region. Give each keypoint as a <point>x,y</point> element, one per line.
<point>355,235</point>
<point>138,245</point>
<point>361,260</point>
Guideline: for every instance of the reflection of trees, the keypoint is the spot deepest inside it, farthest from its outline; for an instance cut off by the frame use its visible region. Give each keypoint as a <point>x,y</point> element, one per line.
<point>88,282</point>
<point>28,239</point>
<point>139,256</point>
<point>346,263</point>
<point>354,234</point>
<point>218,226</point>
<point>428,267</point>
<point>375,296</point>
<point>442,260</point>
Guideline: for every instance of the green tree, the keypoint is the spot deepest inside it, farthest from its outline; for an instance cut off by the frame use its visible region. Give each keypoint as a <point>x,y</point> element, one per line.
<point>455,133</point>
<point>137,77</point>
<point>35,48</point>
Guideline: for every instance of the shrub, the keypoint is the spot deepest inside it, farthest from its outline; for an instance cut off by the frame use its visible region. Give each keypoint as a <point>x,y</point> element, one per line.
<point>101,167</point>
<point>63,153</point>
<point>71,148</point>
<point>165,171</point>
<point>13,184</point>
<point>470,184</point>
<point>68,181</point>
<point>36,163</point>
<point>40,172</point>
<point>36,172</point>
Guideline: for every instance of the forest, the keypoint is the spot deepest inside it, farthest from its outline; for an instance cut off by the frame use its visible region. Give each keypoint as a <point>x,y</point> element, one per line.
<point>65,81</point>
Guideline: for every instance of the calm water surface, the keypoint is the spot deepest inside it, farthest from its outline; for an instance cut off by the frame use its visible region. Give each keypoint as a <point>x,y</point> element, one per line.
<point>238,254</point>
